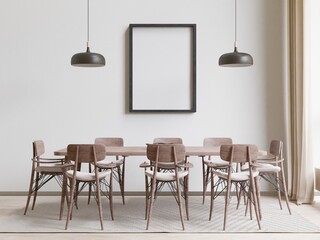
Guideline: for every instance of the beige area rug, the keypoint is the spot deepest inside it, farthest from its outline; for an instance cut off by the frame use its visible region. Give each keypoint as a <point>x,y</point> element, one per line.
<point>130,217</point>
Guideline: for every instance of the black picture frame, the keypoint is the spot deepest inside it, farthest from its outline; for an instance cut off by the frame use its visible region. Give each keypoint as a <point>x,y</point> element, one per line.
<point>156,85</point>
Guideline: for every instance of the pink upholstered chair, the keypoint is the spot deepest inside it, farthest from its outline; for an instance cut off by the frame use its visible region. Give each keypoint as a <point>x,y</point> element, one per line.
<point>212,162</point>
<point>119,171</point>
<point>172,156</point>
<point>43,170</point>
<point>272,170</point>
<point>87,153</point>
<point>245,180</point>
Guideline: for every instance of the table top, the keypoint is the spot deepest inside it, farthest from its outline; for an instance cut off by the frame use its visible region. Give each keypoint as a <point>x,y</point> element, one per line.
<point>142,151</point>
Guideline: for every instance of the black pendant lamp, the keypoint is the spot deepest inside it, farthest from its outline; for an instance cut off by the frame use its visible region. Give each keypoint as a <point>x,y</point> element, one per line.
<point>235,58</point>
<point>88,59</point>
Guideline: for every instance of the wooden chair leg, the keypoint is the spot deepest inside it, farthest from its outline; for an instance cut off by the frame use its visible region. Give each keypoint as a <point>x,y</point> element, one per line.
<point>35,193</point>
<point>283,180</point>
<point>278,188</point>
<point>30,192</point>
<point>27,204</point>
<point>64,194</point>
<point>147,196</point>
<point>111,196</point>
<point>251,199</point>
<point>90,185</point>
<point>227,199</point>
<point>122,181</point>
<point>239,193</point>
<point>71,202</point>
<point>180,202</point>
<point>99,202</point>
<point>257,183</point>
<point>255,201</point>
<point>150,204</point>
<point>212,193</point>
<point>207,180</point>
<point>186,195</point>
<point>89,193</point>
<point>76,195</point>
<point>204,186</point>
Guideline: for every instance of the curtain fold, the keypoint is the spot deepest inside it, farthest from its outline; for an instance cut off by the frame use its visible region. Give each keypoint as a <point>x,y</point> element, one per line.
<point>301,178</point>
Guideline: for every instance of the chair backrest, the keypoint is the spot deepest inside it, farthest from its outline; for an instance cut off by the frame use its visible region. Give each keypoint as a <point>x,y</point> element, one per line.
<point>216,142</point>
<point>86,152</point>
<point>276,148</point>
<point>38,148</point>
<point>166,153</point>
<point>239,153</point>
<point>110,141</point>
<point>168,140</point>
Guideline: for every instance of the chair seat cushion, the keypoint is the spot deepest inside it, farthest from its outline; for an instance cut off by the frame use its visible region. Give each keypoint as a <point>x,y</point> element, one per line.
<point>54,168</point>
<point>267,168</point>
<point>107,161</point>
<point>88,177</point>
<point>237,176</point>
<point>168,165</point>
<point>216,161</point>
<point>166,176</point>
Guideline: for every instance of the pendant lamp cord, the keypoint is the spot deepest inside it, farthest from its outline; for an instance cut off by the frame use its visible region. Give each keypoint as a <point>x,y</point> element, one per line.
<point>235,23</point>
<point>88,23</point>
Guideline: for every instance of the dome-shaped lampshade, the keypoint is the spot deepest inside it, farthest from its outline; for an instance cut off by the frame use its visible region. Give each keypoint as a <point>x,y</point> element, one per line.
<point>88,59</point>
<point>235,59</point>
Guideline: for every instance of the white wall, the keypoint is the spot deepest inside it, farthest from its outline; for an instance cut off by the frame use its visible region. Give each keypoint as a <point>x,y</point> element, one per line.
<point>43,97</point>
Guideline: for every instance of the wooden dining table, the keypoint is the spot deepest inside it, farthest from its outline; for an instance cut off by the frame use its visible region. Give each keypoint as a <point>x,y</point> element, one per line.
<point>127,151</point>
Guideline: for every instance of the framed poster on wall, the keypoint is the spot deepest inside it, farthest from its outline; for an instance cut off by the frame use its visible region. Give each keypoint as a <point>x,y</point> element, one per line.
<point>162,68</point>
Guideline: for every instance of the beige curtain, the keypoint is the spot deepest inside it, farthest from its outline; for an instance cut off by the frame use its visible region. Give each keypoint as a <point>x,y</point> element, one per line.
<point>300,176</point>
